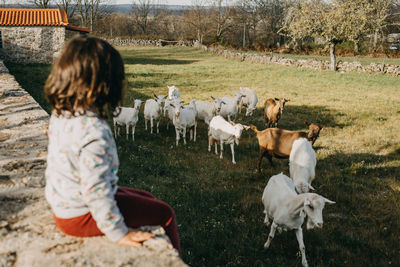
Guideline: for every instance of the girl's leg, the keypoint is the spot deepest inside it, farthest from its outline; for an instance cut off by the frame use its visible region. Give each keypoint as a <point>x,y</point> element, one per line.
<point>129,190</point>
<point>139,210</point>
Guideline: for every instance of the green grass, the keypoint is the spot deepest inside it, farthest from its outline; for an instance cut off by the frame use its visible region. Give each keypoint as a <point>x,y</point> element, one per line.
<point>218,204</point>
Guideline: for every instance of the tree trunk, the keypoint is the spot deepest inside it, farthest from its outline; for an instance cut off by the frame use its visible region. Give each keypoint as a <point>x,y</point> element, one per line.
<point>332,54</point>
<point>375,40</point>
<point>355,48</point>
<point>244,35</point>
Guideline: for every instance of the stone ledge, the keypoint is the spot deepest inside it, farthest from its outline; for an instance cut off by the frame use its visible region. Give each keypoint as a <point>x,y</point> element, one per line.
<point>28,234</point>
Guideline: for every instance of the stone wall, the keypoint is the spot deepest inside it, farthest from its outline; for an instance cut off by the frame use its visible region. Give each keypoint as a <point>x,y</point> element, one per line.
<point>28,235</point>
<point>32,44</point>
<point>144,42</point>
<point>302,63</point>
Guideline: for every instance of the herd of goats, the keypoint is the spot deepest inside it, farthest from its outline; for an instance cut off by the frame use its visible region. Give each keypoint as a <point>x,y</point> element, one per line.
<point>287,201</point>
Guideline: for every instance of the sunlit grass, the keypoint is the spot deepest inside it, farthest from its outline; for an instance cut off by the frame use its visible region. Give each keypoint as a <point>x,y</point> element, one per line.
<point>218,204</point>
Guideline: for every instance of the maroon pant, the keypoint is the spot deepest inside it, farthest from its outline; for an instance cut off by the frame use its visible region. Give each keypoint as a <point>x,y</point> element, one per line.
<point>138,208</point>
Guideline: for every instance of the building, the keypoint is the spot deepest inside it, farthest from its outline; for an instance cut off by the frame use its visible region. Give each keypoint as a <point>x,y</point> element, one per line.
<point>33,35</point>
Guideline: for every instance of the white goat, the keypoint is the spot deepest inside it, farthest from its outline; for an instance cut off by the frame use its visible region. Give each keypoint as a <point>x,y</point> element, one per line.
<point>302,162</point>
<point>223,132</point>
<point>152,111</point>
<point>230,109</point>
<point>249,100</point>
<point>287,209</point>
<point>169,110</point>
<point>128,117</point>
<point>173,92</point>
<point>207,110</point>
<point>184,118</point>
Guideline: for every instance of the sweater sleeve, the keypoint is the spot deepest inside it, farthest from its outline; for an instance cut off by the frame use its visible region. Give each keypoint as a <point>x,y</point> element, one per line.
<point>98,187</point>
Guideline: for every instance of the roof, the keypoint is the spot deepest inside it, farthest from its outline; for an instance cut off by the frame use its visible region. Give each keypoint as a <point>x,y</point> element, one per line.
<point>32,17</point>
<point>77,29</point>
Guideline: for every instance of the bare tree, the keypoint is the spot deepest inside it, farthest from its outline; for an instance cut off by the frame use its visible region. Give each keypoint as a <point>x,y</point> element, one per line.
<point>197,19</point>
<point>89,11</point>
<point>140,12</point>
<point>41,3</point>
<point>69,6</point>
<point>221,16</point>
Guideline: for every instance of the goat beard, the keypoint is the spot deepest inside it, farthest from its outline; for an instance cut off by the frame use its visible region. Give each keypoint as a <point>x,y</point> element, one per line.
<point>310,223</point>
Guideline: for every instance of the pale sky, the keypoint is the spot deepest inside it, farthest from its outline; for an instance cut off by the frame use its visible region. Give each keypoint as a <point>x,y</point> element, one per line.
<point>169,2</point>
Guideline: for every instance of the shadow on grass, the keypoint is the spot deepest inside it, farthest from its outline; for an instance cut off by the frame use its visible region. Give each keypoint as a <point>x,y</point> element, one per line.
<point>132,60</point>
<point>293,117</point>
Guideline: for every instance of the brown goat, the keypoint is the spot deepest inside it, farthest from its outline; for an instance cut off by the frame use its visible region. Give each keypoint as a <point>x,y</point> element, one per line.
<point>313,131</point>
<point>273,111</point>
<point>274,142</point>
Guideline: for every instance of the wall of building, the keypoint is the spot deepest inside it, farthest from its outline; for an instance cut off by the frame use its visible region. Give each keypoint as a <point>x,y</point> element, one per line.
<point>31,44</point>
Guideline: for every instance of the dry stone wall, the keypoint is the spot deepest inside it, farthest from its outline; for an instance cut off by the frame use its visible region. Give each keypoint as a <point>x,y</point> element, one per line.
<point>143,42</point>
<point>32,44</point>
<point>28,235</point>
<point>302,63</point>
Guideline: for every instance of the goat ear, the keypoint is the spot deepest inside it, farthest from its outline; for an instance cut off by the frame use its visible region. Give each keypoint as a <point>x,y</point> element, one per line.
<point>328,201</point>
<point>322,128</point>
<point>302,212</point>
<point>277,99</point>
<point>287,100</point>
<point>213,98</point>
<point>307,123</point>
<point>223,102</point>
<point>172,105</point>
<point>154,94</point>
<point>232,123</point>
<point>132,99</point>
<point>182,102</point>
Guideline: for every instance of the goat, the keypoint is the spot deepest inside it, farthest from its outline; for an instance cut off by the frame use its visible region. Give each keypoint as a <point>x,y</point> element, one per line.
<point>230,109</point>
<point>173,92</point>
<point>169,110</point>
<point>274,142</point>
<point>313,131</point>
<point>184,119</point>
<point>225,133</point>
<point>152,111</point>
<point>249,100</point>
<point>302,162</point>
<point>288,210</point>
<point>207,110</point>
<point>128,117</point>
<point>273,111</point>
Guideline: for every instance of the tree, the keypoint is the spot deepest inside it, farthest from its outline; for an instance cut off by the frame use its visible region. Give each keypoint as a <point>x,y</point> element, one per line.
<point>379,18</point>
<point>68,6</point>
<point>197,19</point>
<point>140,12</point>
<point>221,14</point>
<point>41,3</point>
<point>331,22</point>
<point>89,11</point>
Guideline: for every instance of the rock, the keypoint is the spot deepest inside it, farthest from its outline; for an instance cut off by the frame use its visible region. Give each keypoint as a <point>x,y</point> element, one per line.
<point>28,235</point>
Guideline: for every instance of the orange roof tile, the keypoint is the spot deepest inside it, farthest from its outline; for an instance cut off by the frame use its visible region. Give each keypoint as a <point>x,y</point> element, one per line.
<point>32,17</point>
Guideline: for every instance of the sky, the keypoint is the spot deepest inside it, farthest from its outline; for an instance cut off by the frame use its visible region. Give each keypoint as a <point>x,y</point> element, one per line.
<point>169,2</point>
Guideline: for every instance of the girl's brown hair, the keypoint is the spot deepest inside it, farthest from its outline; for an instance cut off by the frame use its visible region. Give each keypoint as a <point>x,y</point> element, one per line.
<point>88,75</point>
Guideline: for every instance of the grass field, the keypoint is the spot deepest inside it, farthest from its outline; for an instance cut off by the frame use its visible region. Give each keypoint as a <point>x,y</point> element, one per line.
<point>218,204</point>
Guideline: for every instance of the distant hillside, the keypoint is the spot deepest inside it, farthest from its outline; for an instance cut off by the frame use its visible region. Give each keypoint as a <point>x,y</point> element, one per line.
<point>126,8</point>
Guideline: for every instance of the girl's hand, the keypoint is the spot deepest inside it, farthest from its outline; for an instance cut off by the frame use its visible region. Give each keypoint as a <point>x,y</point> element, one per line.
<point>134,238</point>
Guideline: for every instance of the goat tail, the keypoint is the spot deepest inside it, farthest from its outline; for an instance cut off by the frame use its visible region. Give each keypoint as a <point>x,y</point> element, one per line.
<point>254,128</point>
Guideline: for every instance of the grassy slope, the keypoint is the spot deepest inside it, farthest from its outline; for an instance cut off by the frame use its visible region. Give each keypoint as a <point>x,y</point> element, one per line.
<point>218,205</point>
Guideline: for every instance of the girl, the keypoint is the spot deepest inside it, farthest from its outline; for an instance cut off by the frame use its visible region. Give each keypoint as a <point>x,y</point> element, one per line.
<point>83,88</point>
